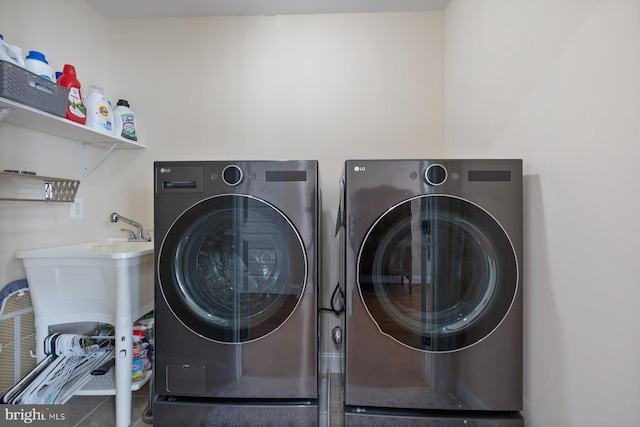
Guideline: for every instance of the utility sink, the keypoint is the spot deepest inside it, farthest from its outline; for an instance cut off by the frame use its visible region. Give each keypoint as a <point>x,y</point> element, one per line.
<point>102,249</point>
<point>106,281</point>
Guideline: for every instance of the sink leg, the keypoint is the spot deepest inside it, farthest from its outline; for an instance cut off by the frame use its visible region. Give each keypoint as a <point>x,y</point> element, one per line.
<point>124,349</point>
<point>124,360</point>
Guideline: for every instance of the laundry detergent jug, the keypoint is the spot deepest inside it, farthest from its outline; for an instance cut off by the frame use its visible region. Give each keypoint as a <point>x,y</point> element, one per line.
<point>38,64</point>
<point>76,111</point>
<point>11,53</point>
<point>99,113</point>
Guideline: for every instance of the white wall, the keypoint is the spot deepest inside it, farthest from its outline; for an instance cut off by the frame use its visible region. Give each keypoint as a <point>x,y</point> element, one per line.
<point>69,31</point>
<point>557,83</point>
<point>325,87</point>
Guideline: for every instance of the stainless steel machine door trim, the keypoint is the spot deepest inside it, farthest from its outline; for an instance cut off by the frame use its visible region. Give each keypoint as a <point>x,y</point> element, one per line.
<point>232,268</point>
<point>437,273</point>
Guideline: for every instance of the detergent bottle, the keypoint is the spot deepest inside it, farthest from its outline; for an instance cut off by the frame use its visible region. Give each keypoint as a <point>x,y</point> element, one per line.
<point>99,113</point>
<point>137,368</point>
<point>125,122</point>
<point>76,110</point>
<point>38,64</point>
<point>11,53</point>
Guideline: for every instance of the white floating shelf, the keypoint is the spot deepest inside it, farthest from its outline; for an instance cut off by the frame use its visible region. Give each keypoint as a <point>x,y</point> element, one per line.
<point>32,118</point>
<point>24,116</point>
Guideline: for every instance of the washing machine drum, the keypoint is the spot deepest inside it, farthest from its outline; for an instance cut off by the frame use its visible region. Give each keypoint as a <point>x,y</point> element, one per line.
<point>232,268</point>
<point>437,273</point>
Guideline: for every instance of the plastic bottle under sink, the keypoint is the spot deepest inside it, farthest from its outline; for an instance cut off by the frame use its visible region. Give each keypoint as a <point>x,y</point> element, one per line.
<point>11,53</point>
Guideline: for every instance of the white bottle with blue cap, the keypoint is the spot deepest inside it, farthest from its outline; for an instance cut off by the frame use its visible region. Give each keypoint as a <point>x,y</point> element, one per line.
<point>38,64</point>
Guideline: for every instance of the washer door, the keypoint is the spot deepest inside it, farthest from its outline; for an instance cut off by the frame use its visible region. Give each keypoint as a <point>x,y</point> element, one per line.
<point>437,273</point>
<point>232,268</point>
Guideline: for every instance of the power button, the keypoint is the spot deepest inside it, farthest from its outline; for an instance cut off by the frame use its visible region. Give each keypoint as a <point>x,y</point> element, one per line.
<point>436,174</point>
<point>232,175</point>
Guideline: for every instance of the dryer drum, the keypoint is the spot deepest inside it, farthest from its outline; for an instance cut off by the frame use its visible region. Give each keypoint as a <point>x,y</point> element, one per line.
<point>437,273</point>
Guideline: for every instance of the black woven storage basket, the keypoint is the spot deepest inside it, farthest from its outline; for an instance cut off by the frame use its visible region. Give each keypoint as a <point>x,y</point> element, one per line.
<point>20,85</point>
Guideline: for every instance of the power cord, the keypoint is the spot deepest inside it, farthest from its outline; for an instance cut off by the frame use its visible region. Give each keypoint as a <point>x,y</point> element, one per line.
<point>333,308</point>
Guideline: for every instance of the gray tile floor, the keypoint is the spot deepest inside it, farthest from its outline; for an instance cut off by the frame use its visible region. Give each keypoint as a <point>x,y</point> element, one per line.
<point>336,401</point>
<point>99,411</point>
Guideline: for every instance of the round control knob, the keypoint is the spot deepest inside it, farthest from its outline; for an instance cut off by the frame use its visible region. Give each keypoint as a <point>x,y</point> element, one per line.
<point>435,174</point>
<point>232,175</point>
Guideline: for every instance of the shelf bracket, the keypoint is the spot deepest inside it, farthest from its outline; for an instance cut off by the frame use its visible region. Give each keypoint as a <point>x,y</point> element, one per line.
<point>86,171</point>
<point>4,112</point>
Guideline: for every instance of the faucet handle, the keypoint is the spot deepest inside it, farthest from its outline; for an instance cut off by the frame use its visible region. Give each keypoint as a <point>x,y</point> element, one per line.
<point>132,234</point>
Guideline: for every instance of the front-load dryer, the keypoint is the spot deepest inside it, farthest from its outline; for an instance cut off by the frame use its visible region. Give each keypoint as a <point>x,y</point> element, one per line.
<point>235,304</point>
<point>433,273</point>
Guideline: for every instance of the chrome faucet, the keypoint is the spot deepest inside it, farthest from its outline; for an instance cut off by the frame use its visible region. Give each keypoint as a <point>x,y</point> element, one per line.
<point>139,236</point>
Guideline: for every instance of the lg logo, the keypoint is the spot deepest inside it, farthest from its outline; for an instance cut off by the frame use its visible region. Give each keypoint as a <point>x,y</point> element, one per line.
<point>359,169</point>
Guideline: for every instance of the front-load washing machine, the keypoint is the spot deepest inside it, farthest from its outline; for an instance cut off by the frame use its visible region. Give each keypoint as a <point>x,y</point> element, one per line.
<point>235,305</point>
<point>433,271</point>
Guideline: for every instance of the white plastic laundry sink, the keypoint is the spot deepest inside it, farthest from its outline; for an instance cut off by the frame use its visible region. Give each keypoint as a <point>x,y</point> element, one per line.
<point>108,282</point>
<point>101,249</point>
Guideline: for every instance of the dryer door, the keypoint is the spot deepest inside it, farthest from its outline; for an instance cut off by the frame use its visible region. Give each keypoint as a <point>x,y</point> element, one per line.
<point>437,273</point>
<point>232,268</point>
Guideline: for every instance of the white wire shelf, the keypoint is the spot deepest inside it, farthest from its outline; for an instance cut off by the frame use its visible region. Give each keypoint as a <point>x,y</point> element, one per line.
<point>104,385</point>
